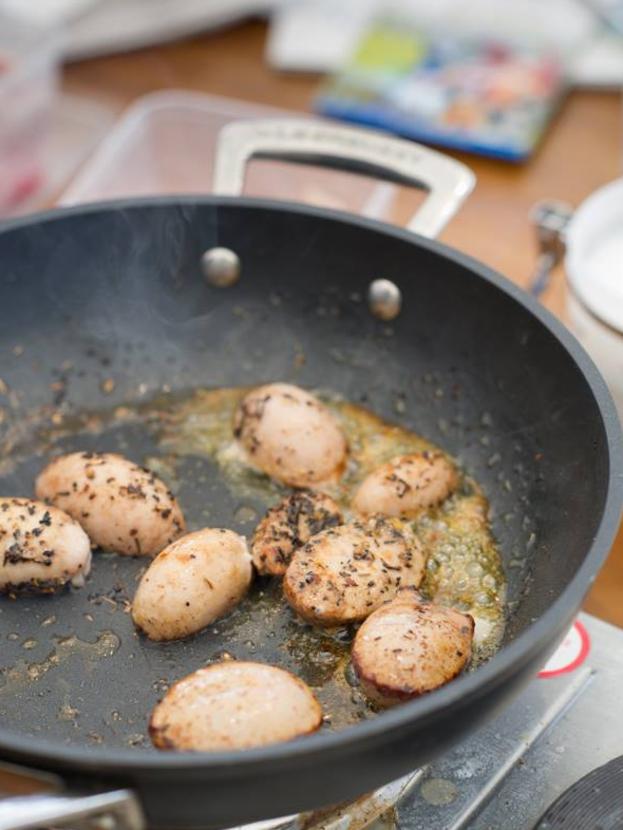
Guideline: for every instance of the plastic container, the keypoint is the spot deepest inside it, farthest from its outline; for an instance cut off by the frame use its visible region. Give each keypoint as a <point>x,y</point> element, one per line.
<point>29,64</point>
<point>165,142</point>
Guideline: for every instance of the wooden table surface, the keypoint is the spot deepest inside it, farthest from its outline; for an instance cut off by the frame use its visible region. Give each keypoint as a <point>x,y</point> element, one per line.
<point>582,150</point>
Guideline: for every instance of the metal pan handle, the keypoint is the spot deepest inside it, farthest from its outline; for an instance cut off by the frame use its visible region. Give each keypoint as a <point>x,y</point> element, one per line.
<point>317,142</point>
<point>118,809</point>
<point>550,220</point>
<point>31,799</point>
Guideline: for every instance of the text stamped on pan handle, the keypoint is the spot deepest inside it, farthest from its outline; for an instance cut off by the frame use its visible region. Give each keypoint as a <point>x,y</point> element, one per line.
<point>447,181</point>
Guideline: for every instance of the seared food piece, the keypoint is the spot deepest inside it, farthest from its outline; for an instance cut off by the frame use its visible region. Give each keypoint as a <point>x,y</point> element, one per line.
<point>343,574</point>
<point>123,507</point>
<point>234,706</point>
<point>288,434</point>
<point>191,583</point>
<point>409,647</point>
<point>406,485</point>
<point>288,525</point>
<point>41,548</point>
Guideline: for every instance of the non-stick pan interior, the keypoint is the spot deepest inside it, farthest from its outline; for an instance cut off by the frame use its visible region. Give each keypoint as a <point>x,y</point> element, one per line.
<point>108,306</point>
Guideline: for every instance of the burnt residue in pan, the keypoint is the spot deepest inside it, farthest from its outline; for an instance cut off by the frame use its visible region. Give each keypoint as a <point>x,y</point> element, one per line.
<point>74,667</point>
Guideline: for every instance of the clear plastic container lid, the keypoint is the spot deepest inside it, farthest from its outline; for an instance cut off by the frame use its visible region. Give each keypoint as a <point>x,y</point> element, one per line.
<point>165,144</point>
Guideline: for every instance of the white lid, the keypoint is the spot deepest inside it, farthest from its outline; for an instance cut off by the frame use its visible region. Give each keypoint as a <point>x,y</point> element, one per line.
<point>594,259</point>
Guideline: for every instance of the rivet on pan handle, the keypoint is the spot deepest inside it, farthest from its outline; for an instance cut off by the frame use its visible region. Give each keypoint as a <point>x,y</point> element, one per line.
<point>317,142</point>
<point>117,810</point>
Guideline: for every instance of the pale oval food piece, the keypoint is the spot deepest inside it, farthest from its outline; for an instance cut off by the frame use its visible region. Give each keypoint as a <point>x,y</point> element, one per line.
<point>41,547</point>
<point>123,507</point>
<point>191,583</point>
<point>409,647</point>
<point>288,526</point>
<point>406,485</point>
<point>234,705</point>
<point>343,574</point>
<point>290,435</point>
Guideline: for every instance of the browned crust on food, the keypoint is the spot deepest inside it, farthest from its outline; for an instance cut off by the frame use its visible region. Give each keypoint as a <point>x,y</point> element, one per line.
<point>157,735</point>
<point>289,525</point>
<point>35,586</point>
<point>385,694</point>
<point>383,578</point>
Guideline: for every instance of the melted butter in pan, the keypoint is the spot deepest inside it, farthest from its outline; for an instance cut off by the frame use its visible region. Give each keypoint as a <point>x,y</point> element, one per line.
<point>464,567</point>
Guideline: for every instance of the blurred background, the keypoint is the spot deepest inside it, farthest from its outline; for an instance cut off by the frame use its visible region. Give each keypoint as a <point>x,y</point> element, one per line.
<point>108,98</point>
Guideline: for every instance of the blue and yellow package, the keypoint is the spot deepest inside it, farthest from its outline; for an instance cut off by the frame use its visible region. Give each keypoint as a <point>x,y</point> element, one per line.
<point>486,97</point>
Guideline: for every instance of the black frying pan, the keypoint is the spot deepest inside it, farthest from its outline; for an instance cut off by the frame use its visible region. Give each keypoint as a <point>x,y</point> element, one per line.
<point>116,292</point>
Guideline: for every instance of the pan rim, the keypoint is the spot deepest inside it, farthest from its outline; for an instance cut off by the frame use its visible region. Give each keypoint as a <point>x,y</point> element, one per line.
<point>525,647</point>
